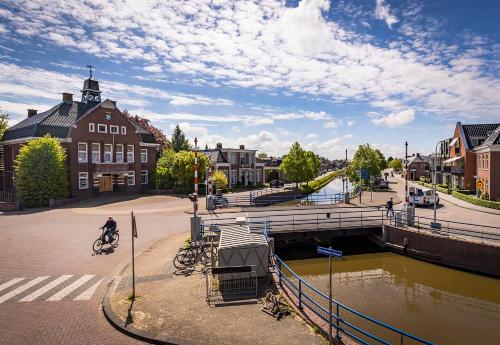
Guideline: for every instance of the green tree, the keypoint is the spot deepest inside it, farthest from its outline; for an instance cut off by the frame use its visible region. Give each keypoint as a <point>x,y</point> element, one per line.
<point>364,158</point>
<point>295,165</point>
<point>220,179</point>
<point>41,172</point>
<point>163,172</point>
<point>389,159</point>
<point>313,166</point>
<point>262,155</point>
<point>179,141</point>
<point>396,164</point>
<point>4,122</point>
<point>183,168</point>
<point>383,162</point>
<point>160,138</point>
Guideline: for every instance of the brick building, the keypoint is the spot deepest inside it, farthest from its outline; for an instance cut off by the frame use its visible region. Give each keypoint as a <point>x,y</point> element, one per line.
<point>460,169</point>
<point>488,164</point>
<point>107,152</point>
<point>418,166</point>
<point>240,165</point>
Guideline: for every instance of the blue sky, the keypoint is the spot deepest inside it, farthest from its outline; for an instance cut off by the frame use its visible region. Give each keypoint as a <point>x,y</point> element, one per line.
<point>331,75</point>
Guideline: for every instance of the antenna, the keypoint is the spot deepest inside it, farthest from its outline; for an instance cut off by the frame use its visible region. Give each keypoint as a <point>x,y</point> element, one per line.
<point>90,70</point>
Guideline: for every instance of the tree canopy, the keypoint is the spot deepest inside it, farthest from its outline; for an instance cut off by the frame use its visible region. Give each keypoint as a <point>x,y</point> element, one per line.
<point>179,141</point>
<point>41,172</point>
<point>365,158</point>
<point>183,168</point>
<point>219,179</point>
<point>4,122</point>
<point>299,165</point>
<point>262,155</point>
<point>383,162</point>
<point>160,137</point>
<point>396,164</point>
<point>163,172</point>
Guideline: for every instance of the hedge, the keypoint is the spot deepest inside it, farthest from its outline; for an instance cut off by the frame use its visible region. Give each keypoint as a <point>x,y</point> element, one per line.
<point>476,201</point>
<point>438,188</point>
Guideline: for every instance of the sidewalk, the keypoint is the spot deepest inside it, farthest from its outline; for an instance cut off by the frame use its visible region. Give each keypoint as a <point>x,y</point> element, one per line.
<point>172,308</point>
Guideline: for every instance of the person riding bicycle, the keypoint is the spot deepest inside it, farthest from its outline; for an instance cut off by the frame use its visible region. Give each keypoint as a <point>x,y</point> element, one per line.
<point>110,229</point>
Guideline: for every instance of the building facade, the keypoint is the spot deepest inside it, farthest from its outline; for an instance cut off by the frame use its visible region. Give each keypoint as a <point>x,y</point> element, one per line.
<point>488,165</point>
<point>106,151</point>
<point>271,169</point>
<point>240,165</point>
<point>418,166</point>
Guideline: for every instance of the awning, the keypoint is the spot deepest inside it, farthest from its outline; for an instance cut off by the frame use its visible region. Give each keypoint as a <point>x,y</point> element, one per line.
<point>453,142</point>
<point>453,159</point>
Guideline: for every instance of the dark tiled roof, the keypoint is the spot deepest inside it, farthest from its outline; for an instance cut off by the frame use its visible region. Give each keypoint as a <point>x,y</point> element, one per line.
<point>493,138</point>
<point>481,131</point>
<point>216,155</point>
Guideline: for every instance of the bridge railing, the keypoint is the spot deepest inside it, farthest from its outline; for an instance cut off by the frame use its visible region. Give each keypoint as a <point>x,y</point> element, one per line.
<point>447,228</point>
<point>346,320</point>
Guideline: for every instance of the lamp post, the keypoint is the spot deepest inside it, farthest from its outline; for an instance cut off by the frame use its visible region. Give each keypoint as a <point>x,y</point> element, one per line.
<point>435,182</point>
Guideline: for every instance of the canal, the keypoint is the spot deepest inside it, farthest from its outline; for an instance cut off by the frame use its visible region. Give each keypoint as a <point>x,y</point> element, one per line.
<point>435,303</point>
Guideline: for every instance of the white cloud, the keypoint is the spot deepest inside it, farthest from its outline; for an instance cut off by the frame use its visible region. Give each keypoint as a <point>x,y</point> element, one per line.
<point>396,119</point>
<point>383,12</point>
<point>332,124</point>
<point>311,136</point>
<point>351,123</point>
<point>153,69</point>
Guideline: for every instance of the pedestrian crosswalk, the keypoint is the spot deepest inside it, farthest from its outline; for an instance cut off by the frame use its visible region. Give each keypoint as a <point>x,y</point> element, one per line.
<point>49,288</point>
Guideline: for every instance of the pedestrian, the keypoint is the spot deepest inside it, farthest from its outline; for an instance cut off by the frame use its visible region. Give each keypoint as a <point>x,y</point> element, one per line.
<point>390,208</point>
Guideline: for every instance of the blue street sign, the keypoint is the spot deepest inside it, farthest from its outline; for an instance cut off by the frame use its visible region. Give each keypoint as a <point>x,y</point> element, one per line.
<point>364,173</point>
<point>329,251</point>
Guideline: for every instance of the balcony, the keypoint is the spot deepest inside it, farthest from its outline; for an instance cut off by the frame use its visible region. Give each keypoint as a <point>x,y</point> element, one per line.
<point>453,170</point>
<point>108,168</point>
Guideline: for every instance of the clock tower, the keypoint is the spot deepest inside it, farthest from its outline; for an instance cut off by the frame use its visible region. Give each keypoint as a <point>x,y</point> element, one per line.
<point>90,92</point>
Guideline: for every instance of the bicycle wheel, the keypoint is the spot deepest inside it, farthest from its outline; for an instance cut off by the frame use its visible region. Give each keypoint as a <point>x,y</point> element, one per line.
<point>97,245</point>
<point>182,260</point>
<point>116,238</point>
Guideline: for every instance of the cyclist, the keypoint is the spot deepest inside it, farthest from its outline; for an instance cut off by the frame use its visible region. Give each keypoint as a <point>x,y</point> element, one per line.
<point>110,229</point>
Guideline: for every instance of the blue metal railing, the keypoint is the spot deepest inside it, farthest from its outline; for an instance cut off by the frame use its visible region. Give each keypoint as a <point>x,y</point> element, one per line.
<point>316,301</point>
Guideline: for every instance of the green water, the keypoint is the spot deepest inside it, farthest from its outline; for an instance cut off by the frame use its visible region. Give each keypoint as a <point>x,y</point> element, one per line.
<point>435,303</point>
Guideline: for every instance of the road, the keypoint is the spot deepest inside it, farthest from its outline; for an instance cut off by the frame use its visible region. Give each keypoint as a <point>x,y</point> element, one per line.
<point>51,283</point>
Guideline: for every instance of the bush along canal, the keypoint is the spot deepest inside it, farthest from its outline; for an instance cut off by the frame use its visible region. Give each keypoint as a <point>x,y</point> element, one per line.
<point>438,304</point>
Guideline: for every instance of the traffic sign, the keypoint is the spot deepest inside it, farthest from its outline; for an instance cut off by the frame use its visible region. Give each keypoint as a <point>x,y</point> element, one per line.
<point>479,184</point>
<point>364,173</point>
<point>329,251</point>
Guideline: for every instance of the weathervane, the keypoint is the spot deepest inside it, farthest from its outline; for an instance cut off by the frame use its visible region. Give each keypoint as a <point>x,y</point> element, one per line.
<point>90,70</point>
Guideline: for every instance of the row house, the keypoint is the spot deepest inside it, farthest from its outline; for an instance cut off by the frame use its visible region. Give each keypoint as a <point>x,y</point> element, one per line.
<point>240,165</point>
<point>418,166</point>
<point>106,151</point>
<point>488,164</point>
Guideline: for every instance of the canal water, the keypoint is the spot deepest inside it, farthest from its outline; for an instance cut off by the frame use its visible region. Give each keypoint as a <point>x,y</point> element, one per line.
<point>333,187</point>
<point>435,303</point>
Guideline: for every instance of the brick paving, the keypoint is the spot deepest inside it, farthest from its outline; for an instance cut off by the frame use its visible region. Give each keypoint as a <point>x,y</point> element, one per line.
<point>57,242</point>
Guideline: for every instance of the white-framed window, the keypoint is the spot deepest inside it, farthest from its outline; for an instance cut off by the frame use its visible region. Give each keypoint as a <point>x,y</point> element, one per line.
<point>119,153</point>
<point>96,153</point>
<point>144,155</point>
<point>130,153</point>
<point>124,130</point>
<point>83,180</point>
<point>144,177</point>
<point>102,128</point>
<point>108,116</point>
<point>131,178</point>
<point>82,153</point>
<point>108,153</point>
<point>114,129</point>
<point>91,127</point>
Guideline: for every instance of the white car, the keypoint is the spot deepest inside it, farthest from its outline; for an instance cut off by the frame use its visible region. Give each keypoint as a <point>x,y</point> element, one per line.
<point>422,196</point>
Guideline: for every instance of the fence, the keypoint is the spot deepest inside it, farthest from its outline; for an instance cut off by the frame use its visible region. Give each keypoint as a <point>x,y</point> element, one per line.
<point>232,283</point>
<point>447,228</point>
<point>345,320</point>
<point>7,196</point>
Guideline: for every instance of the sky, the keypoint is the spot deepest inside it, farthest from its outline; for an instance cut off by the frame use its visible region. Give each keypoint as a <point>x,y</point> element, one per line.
<point>329,74</point>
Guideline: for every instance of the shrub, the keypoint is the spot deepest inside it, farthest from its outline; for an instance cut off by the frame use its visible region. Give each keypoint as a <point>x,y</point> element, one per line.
<point>41,172</point>
<point>476,201</point>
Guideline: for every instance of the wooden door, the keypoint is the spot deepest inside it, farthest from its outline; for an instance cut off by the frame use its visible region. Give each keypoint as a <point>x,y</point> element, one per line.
<point>106,184</point>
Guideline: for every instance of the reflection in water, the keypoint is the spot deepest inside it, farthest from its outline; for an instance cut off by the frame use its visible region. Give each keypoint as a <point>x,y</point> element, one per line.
<point>439,304</point>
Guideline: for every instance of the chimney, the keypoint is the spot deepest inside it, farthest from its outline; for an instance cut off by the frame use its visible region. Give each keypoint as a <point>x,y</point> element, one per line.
<point>67,97</point>
<point>242,147</point>
<point>219,146</point>
<point>32,112</point>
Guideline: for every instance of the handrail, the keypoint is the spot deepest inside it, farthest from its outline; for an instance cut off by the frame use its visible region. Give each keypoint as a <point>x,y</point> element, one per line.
<point>277,265</point>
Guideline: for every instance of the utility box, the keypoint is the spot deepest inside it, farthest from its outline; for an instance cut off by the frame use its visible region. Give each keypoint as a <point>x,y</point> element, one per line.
<point>346,197</point>
<point>195,228</point>
<point>410,214</point>
<point>239,247</point>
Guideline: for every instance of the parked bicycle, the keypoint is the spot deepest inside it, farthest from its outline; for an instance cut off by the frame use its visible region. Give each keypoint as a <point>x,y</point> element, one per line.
<point>101,241</point>
<point>196,252</point>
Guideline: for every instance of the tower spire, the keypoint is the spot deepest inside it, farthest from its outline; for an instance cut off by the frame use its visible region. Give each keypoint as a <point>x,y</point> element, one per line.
<point>90,70</point>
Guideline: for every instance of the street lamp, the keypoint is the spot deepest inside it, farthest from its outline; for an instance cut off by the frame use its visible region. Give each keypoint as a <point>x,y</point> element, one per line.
<point>435,224</point>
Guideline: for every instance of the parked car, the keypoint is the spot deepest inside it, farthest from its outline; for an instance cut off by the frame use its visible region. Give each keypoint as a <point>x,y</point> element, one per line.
<point>277,183</point>
<point>382,184</point>
<point>422,196</point>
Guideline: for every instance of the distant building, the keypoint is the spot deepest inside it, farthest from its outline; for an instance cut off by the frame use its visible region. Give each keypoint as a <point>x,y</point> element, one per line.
<point>488,164</point>
<point>106,151</point>
<point>240,165</point>
<point>271,168</point>
<point>418,166</point>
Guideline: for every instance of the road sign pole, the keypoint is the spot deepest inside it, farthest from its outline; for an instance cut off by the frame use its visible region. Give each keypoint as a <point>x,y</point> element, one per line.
<point>330,301</point>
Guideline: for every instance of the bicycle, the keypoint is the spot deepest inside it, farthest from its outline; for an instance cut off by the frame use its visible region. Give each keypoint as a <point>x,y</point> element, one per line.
<point>97,246</point>
<point>194,253</point>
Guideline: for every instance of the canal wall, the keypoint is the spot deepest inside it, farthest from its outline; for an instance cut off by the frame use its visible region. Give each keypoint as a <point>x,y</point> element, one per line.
<point>470,256</point>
